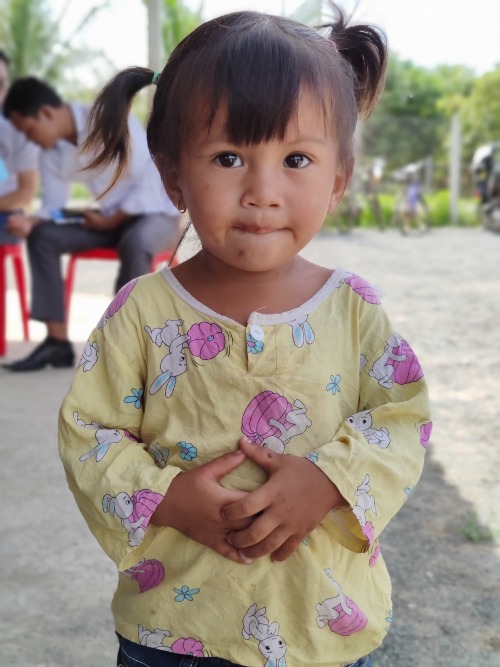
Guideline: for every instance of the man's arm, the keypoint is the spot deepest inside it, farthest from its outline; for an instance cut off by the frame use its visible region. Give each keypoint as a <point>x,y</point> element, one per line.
<point>23,195</point>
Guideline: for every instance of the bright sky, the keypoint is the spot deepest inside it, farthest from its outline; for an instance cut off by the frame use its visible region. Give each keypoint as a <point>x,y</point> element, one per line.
<point>427,32</point>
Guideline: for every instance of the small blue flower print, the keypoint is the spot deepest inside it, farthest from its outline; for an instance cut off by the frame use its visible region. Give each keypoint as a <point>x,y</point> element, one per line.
<point>136,398</point>
<point>334,383</point>
<point>389,618</point>
<point>185,593</point>
<point>188,451</point>
<point>313,456</point>
<point>254,346</point>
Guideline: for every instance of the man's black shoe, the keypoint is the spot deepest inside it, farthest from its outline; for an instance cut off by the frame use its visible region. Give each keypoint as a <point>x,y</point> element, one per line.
<point>52,352</point>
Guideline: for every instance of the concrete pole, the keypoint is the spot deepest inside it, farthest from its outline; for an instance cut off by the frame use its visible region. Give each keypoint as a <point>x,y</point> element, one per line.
<point>155,42</point>
<point>454,175</point>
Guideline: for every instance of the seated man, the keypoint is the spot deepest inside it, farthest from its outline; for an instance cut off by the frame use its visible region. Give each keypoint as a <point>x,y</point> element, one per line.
<point>18,162</point>
<point>135,216</point>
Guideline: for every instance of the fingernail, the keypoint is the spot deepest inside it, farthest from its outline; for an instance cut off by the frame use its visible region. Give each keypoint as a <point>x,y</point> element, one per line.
<point>246,439</point>
<point>246,561</point>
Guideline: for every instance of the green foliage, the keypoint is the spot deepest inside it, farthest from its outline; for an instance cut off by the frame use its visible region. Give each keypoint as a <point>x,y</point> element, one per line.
<point>411,120</point>
<point>474,531</point>
<point>480,113</point>
<point>361,215</point>
<point>29,32</point>
<point>439,205</point>
<point>179,21</point>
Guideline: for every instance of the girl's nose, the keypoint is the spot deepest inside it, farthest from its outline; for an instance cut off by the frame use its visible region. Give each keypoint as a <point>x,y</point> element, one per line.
<point>262,189</point>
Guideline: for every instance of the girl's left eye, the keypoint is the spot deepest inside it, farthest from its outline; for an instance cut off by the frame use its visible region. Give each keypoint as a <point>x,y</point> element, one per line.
<point>297,161</point>
<point>229,160</point>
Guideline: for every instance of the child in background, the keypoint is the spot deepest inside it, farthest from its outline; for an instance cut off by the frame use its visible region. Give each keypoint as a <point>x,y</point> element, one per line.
<point>242,427</point>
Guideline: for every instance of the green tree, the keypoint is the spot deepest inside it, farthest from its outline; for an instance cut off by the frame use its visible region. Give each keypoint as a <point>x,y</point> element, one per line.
<point>410,122</point>
<point>480,112</point>
<point>178,22</point>
<point>29,32</point>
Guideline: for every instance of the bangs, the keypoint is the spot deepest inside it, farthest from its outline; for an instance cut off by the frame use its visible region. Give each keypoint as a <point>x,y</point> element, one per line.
<point>258,72</point>
<point>259,80</point>
<point>256,66</point>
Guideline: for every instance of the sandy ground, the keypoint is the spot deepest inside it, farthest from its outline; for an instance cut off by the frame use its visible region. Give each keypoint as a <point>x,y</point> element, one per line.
<point>442,292</point>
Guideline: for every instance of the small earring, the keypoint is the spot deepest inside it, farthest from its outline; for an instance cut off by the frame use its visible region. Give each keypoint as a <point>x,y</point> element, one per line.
<point>182,210</point>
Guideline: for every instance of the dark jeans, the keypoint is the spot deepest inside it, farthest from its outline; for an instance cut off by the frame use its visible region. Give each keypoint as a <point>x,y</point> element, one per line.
<point>131,654</point>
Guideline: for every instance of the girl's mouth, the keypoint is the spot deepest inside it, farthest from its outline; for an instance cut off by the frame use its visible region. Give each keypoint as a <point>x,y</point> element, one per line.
<point>256,229</point>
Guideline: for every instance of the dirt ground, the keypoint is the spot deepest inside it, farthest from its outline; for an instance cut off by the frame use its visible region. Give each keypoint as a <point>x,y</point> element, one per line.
<point>442,291</point>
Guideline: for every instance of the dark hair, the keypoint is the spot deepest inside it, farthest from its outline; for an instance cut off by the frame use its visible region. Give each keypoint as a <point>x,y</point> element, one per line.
<point>257,64</point>
<point>27,95</point>
<point>4,58</point>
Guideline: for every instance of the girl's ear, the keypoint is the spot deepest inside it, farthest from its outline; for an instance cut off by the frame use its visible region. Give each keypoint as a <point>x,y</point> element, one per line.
<point>340,184</point>
<point>169,177</point>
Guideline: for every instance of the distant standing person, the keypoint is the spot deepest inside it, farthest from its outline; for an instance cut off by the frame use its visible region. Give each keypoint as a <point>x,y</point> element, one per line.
<point>414,209</point>
<point>136,216</point>
<point>18,161</point>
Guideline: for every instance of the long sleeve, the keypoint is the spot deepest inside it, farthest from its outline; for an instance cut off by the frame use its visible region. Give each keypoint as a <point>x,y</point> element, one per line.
<point>376,456</point>
<point>55,183</point>
<point>114,478</point>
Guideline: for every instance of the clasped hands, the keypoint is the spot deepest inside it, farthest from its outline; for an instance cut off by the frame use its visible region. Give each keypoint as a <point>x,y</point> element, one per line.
<point>272,520</point>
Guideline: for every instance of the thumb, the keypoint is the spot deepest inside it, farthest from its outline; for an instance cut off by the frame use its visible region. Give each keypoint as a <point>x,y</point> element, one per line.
<point>225,464</point>
<point>262,456</point>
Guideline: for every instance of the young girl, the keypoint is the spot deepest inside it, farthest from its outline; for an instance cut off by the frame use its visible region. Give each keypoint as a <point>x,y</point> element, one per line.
<point>241,428</point>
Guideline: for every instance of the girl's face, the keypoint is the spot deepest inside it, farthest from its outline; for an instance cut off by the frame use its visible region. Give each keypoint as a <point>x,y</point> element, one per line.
<point>254,207</point>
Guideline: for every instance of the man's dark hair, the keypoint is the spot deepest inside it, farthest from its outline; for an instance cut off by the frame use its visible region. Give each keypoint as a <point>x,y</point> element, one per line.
<point>4,58</point>
<point>27,95</point>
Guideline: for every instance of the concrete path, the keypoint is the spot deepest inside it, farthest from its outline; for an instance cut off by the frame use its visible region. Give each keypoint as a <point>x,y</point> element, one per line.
<point>442,291</point>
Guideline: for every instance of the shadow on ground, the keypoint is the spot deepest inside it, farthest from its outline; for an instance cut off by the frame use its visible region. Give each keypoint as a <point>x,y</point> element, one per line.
<point>446,587</point>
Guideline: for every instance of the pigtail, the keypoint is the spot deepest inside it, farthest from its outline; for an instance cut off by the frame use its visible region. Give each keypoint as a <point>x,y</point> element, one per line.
<point>108,138</point>
<point>364,47</point>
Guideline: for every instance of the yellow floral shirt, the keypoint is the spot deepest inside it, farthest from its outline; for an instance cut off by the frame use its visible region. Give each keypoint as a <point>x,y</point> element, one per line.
<point>165,384</point>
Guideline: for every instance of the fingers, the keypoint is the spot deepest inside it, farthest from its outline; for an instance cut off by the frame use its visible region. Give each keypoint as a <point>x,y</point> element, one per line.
<point>256,533</point>
<point>276,544</point>
<point>270,544</point>
<point>225,464</point>
<point>249,506</point>
<point>229,552</point>
<point>287,548</point>
<point>262,456</point>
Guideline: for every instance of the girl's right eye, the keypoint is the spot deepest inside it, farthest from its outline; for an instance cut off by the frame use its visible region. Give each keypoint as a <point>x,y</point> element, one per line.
<point>229,160</point>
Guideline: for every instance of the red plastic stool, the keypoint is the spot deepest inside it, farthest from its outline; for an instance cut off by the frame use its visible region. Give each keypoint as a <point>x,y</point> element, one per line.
<point>15,252</point>
<point>103,253</point>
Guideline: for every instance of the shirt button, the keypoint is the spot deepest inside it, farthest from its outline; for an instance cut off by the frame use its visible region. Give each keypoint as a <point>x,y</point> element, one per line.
<point>256,332</point>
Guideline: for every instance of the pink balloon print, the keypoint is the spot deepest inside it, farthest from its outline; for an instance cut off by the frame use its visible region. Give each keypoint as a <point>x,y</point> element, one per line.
<point>408,370</point>
<point>117,302</point>
<point>147,573</point>
<point>366,291</point>
<point>369,532</point>
<point>425,434</point>
<point>265,406</point>
<point>345,624</point>
<point>188,646</point>
<point>144,502</point>
<point>206,340</point>
<point>374,556</point>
